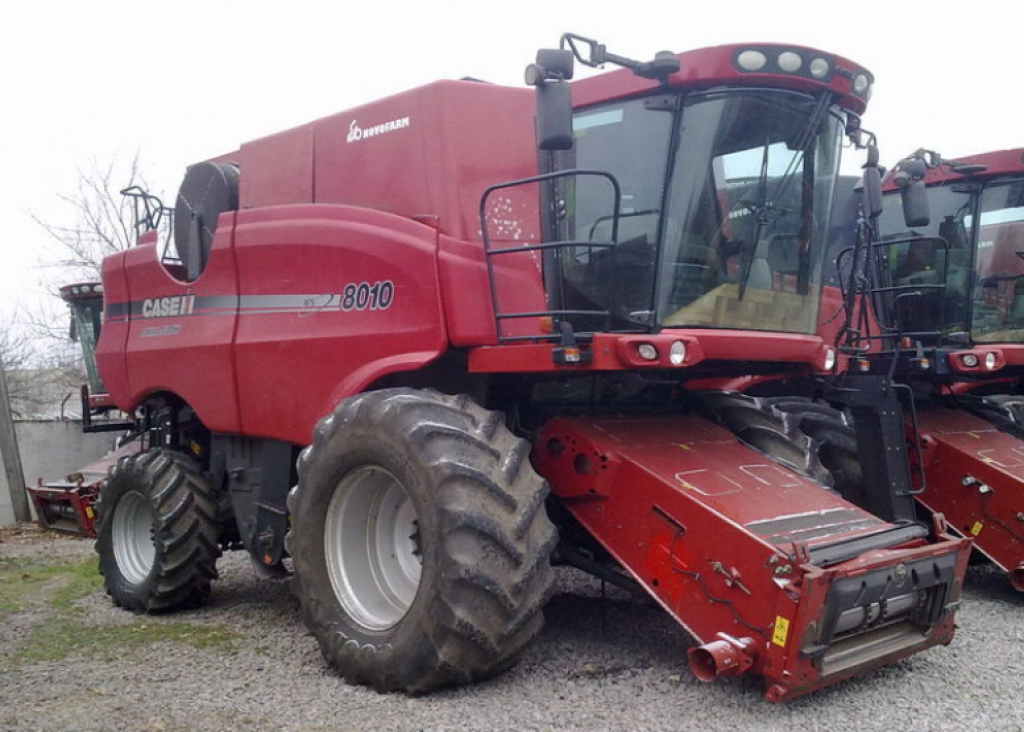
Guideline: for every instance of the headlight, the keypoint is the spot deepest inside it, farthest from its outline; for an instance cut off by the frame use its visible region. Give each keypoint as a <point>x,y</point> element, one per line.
<point>751,60</point>
<point>970,360</point>
<point>820,68</point>
<point>677,353</point>
<point>789,61</point>
<point>830,359</point>
<point>990,361</point>
<point>647,352</point>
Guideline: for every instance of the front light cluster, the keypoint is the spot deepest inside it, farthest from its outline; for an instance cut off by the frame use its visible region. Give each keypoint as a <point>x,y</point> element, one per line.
<point>676,352</point>
<point>971,360</point>
<point>791,62</point>
<point>801,63</point>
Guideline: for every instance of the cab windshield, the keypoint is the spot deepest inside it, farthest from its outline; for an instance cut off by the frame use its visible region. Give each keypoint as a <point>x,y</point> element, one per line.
<point>924,262</point>
<point>989,303</point>
<point>998,308</point>
<point>725,199</point>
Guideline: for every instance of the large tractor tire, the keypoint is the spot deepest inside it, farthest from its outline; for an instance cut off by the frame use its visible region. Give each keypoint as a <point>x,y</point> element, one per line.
<point>1004,411</point>
<point>835,440</point>
<point>420,541</point>
<point>157,532</point>
<point>808,436</point>
<point>757,423</point>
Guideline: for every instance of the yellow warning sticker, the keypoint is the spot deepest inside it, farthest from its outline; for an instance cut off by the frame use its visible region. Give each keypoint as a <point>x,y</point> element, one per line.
<point>976,529</point>
<point>781,634</point>
<point>89,512</point>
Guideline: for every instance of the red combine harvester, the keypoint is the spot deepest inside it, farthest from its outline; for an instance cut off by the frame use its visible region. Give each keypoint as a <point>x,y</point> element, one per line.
<point>360,308</point>
<point>950,313</point>
<point>67,505</point>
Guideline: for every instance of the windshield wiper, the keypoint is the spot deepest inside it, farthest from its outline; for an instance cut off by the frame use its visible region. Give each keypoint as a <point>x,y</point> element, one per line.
<point>765,208</point>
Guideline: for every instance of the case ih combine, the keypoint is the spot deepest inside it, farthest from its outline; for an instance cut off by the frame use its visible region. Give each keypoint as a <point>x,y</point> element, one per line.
<point>950,309</point>
<point>68,505</point>
<point>423,312</point>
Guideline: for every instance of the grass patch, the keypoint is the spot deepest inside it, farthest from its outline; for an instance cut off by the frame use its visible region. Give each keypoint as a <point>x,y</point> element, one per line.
<point>25,582</point>
<point>63,636</point>
<point>81,580</point>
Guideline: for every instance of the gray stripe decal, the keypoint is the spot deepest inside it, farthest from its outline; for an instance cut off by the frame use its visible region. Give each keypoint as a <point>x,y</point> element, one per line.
<point>232,304</point>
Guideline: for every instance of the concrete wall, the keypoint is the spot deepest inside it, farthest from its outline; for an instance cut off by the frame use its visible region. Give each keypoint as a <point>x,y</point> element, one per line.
<point>51,450</point>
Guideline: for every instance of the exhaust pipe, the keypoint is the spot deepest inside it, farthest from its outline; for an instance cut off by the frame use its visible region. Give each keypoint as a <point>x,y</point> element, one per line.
<point>1017,578</point>
<point>727,656</point>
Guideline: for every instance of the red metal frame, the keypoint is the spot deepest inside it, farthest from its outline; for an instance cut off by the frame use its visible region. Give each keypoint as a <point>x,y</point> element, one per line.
<point>47,499</point>
<point>75,495</point>
<point>720,536</point>
<point>975,478</point>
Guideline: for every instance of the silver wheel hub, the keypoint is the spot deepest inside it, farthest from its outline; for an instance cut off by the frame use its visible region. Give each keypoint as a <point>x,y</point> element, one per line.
<point>134,549</point>
<point>372,547</point>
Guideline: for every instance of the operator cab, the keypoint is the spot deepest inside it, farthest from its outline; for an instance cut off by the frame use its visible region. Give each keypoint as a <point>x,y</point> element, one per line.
<point>973,245</point>
<point>701,202</point>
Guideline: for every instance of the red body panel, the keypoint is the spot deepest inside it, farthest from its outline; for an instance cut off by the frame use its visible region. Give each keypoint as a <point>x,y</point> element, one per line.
<point>423,152</point>
<point>291,156</point>
<point>298,350</point>
<point>202,368</point>
<point>715,532</point>
<point>264,342</point>
<point>975,478</point>
<point>112,344</point>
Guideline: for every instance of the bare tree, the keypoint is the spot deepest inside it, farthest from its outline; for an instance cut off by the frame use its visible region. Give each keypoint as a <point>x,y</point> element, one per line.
<point>37,383</point>
<point>90,223</point>
<point>99,219</point>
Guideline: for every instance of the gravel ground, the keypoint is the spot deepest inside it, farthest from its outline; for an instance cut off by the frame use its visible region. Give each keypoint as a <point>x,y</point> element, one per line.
<point>600,665</point>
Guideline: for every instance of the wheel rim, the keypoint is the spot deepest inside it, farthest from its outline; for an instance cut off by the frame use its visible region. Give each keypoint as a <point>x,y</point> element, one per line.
<point>371,541</point>
<point>134,549</point>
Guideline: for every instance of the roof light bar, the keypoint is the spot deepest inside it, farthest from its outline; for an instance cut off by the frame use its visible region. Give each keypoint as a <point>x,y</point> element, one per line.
<point>801,62</point>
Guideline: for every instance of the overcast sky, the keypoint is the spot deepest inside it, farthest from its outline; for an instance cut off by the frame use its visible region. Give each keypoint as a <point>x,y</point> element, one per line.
<point>181,81</point>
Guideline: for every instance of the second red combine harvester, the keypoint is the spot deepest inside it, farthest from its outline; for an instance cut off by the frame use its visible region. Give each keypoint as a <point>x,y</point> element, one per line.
<point>361,308</point>
<point>950,267</point>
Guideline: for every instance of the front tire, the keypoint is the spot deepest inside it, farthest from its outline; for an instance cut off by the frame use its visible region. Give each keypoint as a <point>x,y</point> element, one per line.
<point>420,541</point>
<point>156,532</point>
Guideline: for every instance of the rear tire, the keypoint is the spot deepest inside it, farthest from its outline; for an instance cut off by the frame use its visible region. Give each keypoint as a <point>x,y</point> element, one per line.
<point>156,532</point>
<point>1004,411</point>
<point>836,442</point>
<point>757,423</point>
<point>447,544</point>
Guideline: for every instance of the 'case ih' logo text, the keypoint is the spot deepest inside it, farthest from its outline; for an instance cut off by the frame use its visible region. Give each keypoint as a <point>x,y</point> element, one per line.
<point>357,133</point>
<point>168,307</point>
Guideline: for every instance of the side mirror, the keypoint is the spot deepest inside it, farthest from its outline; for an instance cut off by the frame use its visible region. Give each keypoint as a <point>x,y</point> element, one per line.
<point>909,178</point>
<point>954,232</point>
<point>915,204</point>
<point>872,193</point>
<point>550,77</point>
